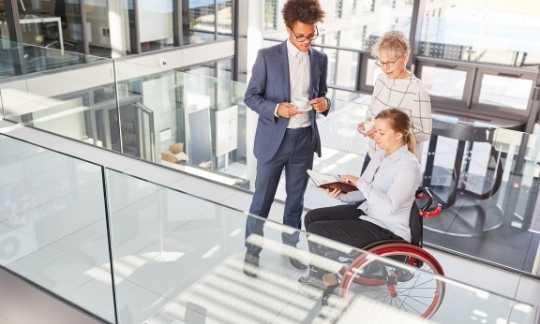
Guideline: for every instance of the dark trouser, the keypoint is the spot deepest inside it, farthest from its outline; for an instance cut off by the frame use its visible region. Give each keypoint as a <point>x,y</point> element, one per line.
<point>341,223</point>
<point>295,155</point>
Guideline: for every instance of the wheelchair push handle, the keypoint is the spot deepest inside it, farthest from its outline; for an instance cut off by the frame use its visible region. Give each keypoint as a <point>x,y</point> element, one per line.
<point>430,208</point>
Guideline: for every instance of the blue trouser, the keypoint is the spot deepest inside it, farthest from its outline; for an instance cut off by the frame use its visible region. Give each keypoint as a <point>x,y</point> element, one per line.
<point>295,154</point>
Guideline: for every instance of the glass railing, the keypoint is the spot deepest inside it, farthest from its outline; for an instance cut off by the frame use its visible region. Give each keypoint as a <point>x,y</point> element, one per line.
<point>17,59</point>
<point>53,222</point>
<point>76,103</point>
<point>132,251</point>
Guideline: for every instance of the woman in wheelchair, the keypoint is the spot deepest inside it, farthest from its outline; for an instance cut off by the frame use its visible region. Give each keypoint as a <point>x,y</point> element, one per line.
<point>380,210</point>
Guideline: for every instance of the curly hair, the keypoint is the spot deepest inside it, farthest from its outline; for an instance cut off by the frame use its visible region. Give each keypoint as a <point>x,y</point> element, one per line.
<point>394,42</point>
<point>305,11</point>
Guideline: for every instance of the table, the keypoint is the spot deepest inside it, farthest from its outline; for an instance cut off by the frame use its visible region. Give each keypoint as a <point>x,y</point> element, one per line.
<point>467,132</point>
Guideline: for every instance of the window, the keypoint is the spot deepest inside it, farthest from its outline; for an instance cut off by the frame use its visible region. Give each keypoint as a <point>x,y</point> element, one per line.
<point>155,19</point>
<point>48,34</point>
<point>344,29</point>
<point>270,15</point>
<point>346,67</point>
<point>482,31</point>
<point>505,91</point>
<point>372,72</point>
<point>199,25</point>
<point>225,19</point>
<point>443,82</point>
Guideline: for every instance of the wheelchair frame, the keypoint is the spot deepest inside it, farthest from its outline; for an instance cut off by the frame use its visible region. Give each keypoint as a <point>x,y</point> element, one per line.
<point>411,254</point>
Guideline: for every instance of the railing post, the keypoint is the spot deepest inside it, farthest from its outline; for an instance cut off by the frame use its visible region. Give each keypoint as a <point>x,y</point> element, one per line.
<point>109,240</point>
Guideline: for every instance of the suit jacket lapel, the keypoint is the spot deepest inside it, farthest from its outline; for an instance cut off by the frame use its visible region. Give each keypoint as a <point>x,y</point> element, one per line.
<point>286,74</point>
<point>313,79</point>
<point>313,75</point>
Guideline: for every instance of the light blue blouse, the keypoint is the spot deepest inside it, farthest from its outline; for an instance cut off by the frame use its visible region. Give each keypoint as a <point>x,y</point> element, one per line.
<point>388,187</point>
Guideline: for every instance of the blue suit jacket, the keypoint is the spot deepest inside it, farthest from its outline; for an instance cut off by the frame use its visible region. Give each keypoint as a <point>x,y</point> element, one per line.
<point>270,85</point>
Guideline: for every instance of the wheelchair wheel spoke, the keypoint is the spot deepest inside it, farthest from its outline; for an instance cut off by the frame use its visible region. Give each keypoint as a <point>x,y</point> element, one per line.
<point>423,283</point>
<point>415,292</point>
<point>411,308</point>
<point>409,288</point>
<point>425,297</point>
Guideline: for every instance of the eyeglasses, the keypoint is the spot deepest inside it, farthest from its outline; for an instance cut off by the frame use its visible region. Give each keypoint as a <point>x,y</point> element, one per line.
<point>379,63</point>
<point>303,38</point>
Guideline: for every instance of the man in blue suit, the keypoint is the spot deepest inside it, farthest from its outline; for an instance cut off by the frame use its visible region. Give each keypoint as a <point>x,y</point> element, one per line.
<point>287,89</point>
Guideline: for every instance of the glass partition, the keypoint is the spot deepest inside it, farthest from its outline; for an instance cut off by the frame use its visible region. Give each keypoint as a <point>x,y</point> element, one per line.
<point>80,104</point>
<point>20,58</point>
<point>53,224</point>
<point>176,257</point>
<point>186,121</point>
<point>180,258</point>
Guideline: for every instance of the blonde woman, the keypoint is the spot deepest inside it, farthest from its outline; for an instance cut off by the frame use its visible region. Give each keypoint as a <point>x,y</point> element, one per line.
<point>398,88</point>
<point>380,208</point>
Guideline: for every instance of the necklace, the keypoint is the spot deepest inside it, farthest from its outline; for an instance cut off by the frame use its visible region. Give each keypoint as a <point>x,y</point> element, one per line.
<point>402,96</point>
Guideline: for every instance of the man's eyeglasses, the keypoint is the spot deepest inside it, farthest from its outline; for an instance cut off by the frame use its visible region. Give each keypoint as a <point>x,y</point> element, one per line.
<point>380,63</point>
<point>303,38</point>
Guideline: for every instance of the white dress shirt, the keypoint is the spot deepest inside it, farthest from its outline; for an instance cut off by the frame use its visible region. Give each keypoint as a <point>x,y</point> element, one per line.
<point>388,188</point>
<point>299,77</point>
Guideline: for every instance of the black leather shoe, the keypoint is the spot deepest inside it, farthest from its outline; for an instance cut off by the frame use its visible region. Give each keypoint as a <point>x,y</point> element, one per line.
<point>404,275</point>
<point>297,264</point>
<point>311,281</point>
<point>251,265</point>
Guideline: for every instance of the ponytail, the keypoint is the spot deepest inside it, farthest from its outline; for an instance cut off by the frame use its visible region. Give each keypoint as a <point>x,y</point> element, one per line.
<point>410,140</point>
<point>401,123</point>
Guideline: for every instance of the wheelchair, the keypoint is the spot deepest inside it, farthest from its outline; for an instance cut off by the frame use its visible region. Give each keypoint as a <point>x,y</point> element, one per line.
<point>417,292</point>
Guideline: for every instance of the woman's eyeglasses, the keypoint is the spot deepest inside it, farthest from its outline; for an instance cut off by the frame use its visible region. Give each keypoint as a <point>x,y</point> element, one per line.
<point>380,63</point>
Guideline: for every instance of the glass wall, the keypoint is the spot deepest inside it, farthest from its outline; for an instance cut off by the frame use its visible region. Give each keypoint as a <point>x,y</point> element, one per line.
<point>207,20</point>
<point>348,23</point>
<point>482,31</point>
<point>52,24</point>
<point>4,32</point>
<point>478,58</point>
<point>155,19</point>
<point>225,18</point>
<point>121,27</point>
<point>59,24</point>
<point>350,27</point>
<point>55,238</point>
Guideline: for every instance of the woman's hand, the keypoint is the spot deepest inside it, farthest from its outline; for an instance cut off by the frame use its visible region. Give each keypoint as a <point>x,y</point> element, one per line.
<point>349,179</point>
<point>334,193</point>
<point>362,129</point>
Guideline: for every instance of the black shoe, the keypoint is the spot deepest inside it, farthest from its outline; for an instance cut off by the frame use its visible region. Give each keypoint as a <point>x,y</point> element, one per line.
<point>297,264</point>
<point>312,281</point>
<point>251,265</point>
<point>404,275</point>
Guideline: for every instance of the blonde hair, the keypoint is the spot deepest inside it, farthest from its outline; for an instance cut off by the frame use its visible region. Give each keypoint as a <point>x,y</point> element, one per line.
<point>400,123</point>
<point>393,42</point>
